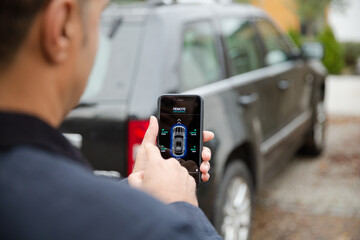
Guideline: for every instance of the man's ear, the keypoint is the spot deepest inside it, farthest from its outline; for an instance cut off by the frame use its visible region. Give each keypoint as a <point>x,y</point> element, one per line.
<point>60,21</point>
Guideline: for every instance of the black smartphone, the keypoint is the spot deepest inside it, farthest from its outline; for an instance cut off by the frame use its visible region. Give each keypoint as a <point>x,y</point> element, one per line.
<point>181,130</point>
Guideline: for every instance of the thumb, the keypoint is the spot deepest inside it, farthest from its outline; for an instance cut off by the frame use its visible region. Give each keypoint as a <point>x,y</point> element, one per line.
<point>151,132</point>
<point>152,152</point>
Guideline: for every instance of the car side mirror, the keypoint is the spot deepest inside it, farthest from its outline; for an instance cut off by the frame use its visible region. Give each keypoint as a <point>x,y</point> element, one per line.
<point>312,50</point>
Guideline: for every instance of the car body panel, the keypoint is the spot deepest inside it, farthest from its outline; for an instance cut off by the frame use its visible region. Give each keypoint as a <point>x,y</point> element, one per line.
<point>102,129</point>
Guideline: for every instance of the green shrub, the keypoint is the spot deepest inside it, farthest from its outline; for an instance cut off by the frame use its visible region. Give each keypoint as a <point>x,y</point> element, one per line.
<point>334,54</point>
<point>351,53</point>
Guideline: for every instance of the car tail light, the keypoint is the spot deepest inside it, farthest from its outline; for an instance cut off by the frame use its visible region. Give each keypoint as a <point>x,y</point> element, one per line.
<point>136,132</point>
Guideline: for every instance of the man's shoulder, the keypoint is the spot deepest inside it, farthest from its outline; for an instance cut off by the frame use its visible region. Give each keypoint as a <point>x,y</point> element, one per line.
<point>35,163</point>
<point>30,154</point>
<point>43,191</point>
<point>42,170</point>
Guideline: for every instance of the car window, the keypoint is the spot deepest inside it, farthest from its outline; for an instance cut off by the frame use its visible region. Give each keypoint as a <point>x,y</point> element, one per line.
<point>98,74</point>
<point>199,58</point>
<point>115,62</point>
<point>241,45</point>
<point>277,50</point>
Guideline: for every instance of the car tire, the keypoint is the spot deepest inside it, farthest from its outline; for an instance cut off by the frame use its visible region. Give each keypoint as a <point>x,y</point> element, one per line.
<point>315,142</point>
<point>234,203</point>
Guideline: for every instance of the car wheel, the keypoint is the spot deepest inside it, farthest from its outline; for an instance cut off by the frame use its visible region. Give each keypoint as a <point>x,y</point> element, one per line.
<point>316,141</point>
<point>234,209</point>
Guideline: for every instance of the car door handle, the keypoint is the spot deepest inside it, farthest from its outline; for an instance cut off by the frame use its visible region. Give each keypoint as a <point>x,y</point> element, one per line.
<point>247,100</point>
<point>283,85</point>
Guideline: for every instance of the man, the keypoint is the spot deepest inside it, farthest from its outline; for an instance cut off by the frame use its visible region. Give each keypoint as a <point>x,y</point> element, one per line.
<point>47,191</point>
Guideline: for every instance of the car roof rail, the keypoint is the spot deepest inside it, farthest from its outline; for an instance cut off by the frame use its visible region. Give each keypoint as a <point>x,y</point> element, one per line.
<point>168,2</point>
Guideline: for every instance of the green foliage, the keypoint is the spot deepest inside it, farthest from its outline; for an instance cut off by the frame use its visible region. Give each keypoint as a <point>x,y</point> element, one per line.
<point>296,37</point>
<point>309,10</point>
<point>334,54</point>
<point>312,13</point>
<point>351,53</point>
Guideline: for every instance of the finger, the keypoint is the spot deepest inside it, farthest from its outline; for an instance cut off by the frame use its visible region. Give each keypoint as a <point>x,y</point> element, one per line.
<point>152,152</point>
<point>152,131</point>
<point>205,177</point>
<point>190,165</point>
<point>136,179</point>
<point>206,154</point>
<point>208,136</point>
<point>205,167</point>
<point>193,182</point>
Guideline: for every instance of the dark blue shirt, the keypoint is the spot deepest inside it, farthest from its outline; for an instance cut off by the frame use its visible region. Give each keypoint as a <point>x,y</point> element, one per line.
<point>48,191</point>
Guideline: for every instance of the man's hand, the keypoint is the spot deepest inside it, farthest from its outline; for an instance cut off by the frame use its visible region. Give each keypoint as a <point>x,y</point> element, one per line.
<point>166,180</point>
<point>151,136</point>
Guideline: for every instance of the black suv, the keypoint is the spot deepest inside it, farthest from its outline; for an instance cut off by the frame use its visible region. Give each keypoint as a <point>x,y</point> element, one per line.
<point>263,96</point>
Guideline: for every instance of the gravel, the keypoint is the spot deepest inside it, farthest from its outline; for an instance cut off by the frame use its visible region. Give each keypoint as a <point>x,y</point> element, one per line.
<point>316,198</point>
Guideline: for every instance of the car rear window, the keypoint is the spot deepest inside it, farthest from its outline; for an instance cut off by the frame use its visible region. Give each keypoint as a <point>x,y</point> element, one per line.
<point>277,49</point>
<point>241,45</point>
<point>115,61</point>
<point>199,59</point>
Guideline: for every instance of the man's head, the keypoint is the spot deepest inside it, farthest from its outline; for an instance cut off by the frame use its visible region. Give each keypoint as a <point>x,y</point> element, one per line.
<point>15,20</point>
<point>47,48</point>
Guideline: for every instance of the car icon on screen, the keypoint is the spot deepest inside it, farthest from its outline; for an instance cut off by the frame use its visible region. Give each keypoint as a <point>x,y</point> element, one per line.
<point>178,144</point>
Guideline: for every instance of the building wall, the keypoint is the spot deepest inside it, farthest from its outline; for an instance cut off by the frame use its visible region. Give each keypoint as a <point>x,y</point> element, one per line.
<point>282,11</point>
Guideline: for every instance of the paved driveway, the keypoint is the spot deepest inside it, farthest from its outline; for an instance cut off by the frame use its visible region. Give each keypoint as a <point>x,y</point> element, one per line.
<point>319,198</point>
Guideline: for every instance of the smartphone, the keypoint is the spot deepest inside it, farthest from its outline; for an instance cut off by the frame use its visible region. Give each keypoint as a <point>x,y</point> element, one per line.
<point>181,130</point>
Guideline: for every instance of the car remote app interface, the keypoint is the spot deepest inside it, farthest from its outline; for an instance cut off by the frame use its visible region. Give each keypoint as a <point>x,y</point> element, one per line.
<point>179,130</point>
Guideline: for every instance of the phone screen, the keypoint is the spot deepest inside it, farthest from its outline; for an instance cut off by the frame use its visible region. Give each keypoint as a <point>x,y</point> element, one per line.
<point>180,131</point>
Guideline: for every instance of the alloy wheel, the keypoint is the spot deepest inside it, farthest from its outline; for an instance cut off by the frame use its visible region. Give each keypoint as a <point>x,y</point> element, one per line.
<point>319,138</point>
<point>237,211</point>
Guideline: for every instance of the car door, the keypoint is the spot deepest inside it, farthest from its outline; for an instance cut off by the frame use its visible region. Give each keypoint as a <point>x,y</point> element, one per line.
<point>256,97</point>
<point>288,88</point>
<point>278,58</point>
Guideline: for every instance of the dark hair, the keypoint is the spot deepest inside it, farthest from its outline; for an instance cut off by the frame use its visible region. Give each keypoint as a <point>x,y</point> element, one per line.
<point>16,17</point>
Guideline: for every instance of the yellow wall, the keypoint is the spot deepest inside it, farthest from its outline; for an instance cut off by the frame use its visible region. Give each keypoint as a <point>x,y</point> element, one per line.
<point>282,11</point>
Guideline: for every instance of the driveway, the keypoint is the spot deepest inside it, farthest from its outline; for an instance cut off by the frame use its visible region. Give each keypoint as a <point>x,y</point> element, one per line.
<point>319,198</point>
